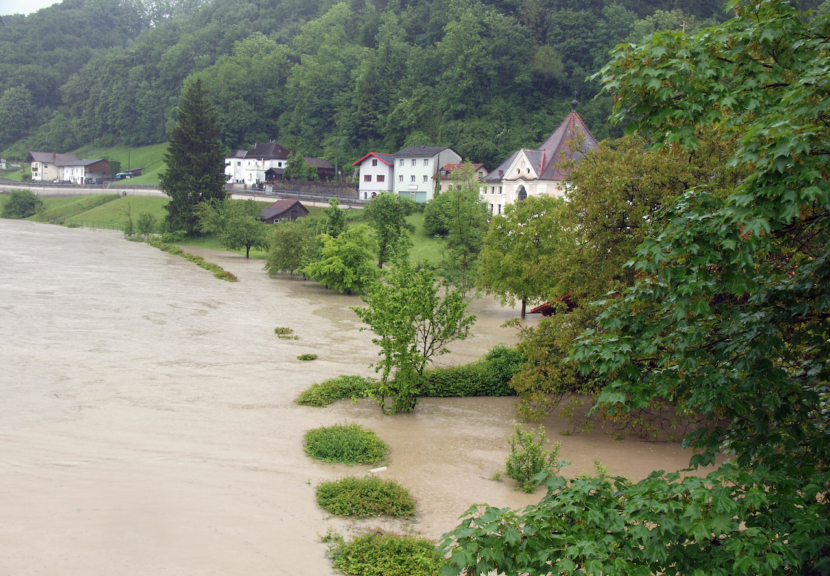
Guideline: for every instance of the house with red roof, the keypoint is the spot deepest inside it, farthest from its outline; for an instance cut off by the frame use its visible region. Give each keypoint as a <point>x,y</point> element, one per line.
<point>539,171</point>
<point>377,171</point>
<point>445,180</point>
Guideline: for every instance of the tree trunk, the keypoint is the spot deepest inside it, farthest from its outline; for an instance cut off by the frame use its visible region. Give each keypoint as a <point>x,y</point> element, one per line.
<point>524,305</point>
<point>247,251</point>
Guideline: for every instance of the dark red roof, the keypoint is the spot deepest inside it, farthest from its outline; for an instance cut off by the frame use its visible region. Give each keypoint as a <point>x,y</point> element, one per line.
<point>279,207</point>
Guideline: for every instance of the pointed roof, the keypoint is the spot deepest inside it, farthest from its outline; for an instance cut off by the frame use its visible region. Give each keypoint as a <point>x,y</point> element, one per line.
<point>279,207</point>
<point>269,150</point>
<point>46,157</point>
<point>557,148</point>
<point>388,159</point>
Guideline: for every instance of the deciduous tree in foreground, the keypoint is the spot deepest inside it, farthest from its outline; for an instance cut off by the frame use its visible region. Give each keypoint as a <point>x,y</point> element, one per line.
<point>412,323</point>
<point>729,320</point>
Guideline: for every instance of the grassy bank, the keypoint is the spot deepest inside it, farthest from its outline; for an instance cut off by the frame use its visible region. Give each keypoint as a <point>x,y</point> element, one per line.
<point>94,212</point>
<point>114,213</point>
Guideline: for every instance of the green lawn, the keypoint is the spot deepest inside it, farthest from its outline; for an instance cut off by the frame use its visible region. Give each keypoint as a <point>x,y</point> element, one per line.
<point>426,249</point>
<point>112,214</point>
<point>59,210</point>
<point>17,175</point>
<point>151,158</point>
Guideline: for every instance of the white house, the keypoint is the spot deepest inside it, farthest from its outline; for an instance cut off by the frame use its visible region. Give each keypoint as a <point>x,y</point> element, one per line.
<point>2,163</point>
<point>81,171</point>
<point>250,166</point>
<point>537,172</point>
<point>416,170</point>
<point>48,166</point>
<point>377,172</point>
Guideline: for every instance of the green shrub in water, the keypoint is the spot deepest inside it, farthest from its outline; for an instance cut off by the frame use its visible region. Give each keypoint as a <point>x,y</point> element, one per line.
<point>345,444</point>
<point>364,497</point>
<point>307,357</point>
<point>528,458</point>
<point>324,393</point>
<point>378,553</point>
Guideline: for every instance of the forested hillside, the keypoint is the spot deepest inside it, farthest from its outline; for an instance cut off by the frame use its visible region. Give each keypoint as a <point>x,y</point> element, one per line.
<point>325,78</point>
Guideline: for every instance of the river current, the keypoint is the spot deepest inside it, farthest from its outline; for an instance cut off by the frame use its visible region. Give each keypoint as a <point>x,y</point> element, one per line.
<point>148,423</point>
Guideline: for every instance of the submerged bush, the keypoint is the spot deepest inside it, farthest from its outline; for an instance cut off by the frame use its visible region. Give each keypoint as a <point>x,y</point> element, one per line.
<point>489,376</point>
<point>364,497</point>
<point>324,393</point>
<point>528,458</point>
<point>21,204</point>
<point>344,444</point>
<point>217,270</point>
<point>378,553</point>
<point>307,357</point>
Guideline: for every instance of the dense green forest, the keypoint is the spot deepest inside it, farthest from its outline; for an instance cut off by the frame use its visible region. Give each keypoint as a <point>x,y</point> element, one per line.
<point>325,78</point>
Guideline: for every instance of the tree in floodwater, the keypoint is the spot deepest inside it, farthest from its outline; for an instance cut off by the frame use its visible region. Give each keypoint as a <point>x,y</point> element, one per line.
<point>387,213</point>
<point>728,320</point>
<point>195,160</point>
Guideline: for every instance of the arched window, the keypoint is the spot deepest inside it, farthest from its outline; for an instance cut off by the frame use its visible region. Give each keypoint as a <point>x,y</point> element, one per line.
<point>522,194</point>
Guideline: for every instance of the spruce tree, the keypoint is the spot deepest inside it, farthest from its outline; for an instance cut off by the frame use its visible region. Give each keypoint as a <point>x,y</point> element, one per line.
<point>195,160</point>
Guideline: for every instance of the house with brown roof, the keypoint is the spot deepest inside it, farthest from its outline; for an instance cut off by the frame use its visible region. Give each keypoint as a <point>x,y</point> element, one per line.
<point>283,210</point>
<point>539,172</point>
<point>445,175</point>
<point>325,169</point>
<point>249,166</point>
<point>48,166</point>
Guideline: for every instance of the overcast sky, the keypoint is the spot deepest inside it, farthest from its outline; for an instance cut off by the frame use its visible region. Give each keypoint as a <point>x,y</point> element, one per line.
<point>23,6</point>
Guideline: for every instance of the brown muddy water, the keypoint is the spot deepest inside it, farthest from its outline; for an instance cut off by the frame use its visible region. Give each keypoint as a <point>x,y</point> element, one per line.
<point>148,424</point>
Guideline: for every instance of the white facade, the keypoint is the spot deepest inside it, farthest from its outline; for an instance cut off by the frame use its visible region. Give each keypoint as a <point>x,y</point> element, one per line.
<point>416,170</point>
<point>377,174</point>
<point>2,163</point>
<point>74,174</point>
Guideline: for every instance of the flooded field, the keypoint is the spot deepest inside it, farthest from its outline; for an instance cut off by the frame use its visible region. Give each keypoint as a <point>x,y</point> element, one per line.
<point>148,424</point>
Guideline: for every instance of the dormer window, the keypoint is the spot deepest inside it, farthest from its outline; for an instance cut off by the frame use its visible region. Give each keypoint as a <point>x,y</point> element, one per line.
<point>374,162</point>
<point>401,163</point>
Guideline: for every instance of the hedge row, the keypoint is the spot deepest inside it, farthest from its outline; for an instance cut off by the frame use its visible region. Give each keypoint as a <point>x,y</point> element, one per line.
<point>217,270</point>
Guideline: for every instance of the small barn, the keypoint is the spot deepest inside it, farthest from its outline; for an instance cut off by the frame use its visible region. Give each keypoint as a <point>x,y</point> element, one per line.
<point>283,210</point>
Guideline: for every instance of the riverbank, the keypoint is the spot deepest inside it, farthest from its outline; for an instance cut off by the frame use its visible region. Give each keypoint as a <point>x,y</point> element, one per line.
<point>148,423</point>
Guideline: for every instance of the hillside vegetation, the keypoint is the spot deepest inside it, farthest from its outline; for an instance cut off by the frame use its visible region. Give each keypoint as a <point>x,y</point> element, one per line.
<point>327,79</point>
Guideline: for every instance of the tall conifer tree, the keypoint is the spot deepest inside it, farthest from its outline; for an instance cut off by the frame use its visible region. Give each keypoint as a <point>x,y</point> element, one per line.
<point>195,160</point>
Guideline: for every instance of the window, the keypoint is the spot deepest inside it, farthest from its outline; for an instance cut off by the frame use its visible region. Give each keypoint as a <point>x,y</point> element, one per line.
<point>499,189</point>
<point>239,163</point>
<point>518,171</point>
<point>412,178</point>
<point>367,178</point>
<point>426,161</point>
<point>374,162</point>
<point>381,178</point>
<point>279,164</point>
<point>400,178</point>
<point>413,161</point>
<point>499,208</point>
<point>425,179</point>
<point>491,208</point>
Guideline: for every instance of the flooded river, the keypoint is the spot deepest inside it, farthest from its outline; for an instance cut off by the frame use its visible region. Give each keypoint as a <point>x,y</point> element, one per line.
<point>148,424</point>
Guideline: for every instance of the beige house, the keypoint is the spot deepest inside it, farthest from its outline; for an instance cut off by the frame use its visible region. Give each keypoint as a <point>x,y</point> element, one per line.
<point>445,181</point>
<point>537,172</point>
<point>48,166</point>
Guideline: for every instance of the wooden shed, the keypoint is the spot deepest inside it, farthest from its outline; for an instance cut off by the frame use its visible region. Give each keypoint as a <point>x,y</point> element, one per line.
<point>283,210</point>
